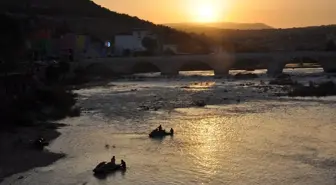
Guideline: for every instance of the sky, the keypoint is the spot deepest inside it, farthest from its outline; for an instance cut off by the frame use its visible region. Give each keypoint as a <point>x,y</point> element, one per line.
<point>276,13</point>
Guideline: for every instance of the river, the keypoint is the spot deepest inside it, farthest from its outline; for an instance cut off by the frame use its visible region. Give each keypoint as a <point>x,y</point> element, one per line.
<point>242,136</point>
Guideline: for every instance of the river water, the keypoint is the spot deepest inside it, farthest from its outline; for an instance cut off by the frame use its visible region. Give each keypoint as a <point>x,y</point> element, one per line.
<point>241,137</point>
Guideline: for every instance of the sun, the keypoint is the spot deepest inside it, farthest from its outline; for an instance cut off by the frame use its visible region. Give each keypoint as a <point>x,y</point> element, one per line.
<point>205,11</point>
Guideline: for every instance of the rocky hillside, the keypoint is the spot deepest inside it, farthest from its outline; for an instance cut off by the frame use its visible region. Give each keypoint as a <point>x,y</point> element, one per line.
<point>84,16</point>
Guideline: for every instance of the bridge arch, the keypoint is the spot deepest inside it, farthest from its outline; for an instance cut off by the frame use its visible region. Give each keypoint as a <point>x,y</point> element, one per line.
<point>277,66</point>
<point>219,69</point>
<point>145,67</point>
<point>98,70</point>
<point>195,66</point>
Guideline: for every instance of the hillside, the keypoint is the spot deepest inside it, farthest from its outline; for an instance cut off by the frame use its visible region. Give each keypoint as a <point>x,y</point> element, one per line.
<point>81,15</point>
<point>197,27</point>
<point>84,16</point>
<point>298,39</point>
<point>265,39</point>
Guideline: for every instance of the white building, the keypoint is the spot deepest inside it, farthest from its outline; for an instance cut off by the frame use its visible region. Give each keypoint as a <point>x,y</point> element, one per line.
<point>131,42</point>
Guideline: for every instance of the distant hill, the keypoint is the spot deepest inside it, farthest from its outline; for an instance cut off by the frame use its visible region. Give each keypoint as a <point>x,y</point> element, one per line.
<point>219,25</point>
<point>260,37</point>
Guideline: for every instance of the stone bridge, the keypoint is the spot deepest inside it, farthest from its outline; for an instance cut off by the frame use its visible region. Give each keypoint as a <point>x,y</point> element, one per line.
<point>221,62</point>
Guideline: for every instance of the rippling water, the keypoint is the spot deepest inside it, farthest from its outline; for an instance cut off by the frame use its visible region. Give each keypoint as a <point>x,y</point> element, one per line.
<point>261,140</point>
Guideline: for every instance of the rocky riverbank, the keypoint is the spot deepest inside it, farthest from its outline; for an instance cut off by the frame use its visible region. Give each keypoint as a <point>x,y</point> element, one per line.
<point>26,117</point>
<point>17,150</point>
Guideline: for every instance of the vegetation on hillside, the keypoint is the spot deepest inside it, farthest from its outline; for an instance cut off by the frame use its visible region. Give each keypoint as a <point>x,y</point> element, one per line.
<point>11,43</point>
<point>331,45</point>
<point>26,98</point>
<point>264,40</point>
<point>150,44</point>
<point>84,16</point>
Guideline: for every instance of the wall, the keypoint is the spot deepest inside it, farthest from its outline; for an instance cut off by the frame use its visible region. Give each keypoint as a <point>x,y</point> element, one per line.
<point>68,41</point>
<point>130,42</point>
<point>41,42</point>
<point>82,46</point>
<point>91,53</point>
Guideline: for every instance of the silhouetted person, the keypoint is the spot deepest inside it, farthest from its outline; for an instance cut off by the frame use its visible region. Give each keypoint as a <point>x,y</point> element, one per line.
<point>113,160</point>
<point>172,131</point>
<point>160,128</point>
<point>40,143</point>
<point>123,164</point>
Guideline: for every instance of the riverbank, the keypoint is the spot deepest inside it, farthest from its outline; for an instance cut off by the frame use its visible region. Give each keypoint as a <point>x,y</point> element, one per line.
<point>27,116</point>
<point>17,151</point>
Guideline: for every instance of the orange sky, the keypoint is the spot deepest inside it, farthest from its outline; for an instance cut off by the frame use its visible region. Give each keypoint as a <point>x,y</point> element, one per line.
<point>277,13</point>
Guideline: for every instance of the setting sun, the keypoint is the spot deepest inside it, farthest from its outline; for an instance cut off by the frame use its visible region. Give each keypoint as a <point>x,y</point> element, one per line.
<point>207,11</point>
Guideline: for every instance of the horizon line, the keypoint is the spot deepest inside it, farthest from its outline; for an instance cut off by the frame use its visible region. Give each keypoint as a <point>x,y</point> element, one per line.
<point>271,27</point>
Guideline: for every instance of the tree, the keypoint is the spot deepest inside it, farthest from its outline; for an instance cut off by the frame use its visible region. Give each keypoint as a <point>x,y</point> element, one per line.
<point>331,46</point>
<point>11,42</point>
<point>150,44</point>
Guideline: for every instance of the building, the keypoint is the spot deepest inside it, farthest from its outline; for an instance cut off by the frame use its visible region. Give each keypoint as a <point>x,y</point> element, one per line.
<point>129,43</point>
<point>81,46</point>
<point>41,43</point>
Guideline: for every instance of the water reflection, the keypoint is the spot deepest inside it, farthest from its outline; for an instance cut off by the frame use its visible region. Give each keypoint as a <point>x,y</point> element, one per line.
<point>200,86</point>
<point>207,143</point>
<point>205,154</point>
